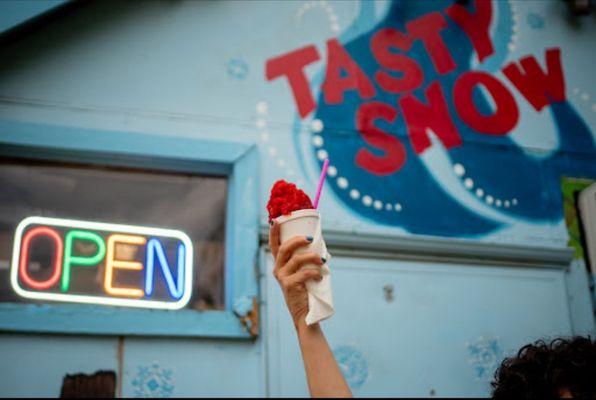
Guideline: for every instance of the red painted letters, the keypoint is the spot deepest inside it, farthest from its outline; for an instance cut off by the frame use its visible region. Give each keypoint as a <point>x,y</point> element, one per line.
<point>335,84</point>
<point>395,153</point>
<point>399,73</point>
<point>427,28</point>
<point>476,25</point>
<point>433,115</point>
<point>291,65</point>
<point>538,88</point>
<point>412,75</point>
<point>506,113</point>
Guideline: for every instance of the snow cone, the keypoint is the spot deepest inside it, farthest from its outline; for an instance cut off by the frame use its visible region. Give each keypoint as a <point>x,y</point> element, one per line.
<point>293,211</point>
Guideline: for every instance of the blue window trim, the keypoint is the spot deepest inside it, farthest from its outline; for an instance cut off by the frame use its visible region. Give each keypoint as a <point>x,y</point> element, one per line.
<point>237,161</point>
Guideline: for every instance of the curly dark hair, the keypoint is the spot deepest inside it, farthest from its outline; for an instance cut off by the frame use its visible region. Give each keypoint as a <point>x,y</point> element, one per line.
<point>546,370</point>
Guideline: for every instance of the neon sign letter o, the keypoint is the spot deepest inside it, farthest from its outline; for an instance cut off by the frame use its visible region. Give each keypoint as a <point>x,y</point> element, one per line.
<point>24,259</point>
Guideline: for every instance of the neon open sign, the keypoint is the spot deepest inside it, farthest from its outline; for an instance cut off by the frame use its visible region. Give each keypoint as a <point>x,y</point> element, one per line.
<point>99,263</point>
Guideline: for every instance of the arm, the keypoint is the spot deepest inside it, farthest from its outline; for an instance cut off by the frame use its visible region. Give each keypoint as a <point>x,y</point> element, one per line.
<point>322,372</point>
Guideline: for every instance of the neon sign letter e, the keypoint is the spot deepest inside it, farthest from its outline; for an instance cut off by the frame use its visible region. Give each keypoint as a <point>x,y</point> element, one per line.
<point>112,263</point>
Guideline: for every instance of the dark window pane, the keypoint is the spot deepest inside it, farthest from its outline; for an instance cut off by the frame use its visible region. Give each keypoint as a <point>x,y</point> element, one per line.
<point>193,204</point>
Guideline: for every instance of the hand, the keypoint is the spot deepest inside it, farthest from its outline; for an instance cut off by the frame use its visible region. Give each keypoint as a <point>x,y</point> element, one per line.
<point>288,273</point>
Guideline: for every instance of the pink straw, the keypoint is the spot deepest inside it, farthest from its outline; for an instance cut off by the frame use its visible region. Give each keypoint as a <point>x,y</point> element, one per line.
<point>321,181</point>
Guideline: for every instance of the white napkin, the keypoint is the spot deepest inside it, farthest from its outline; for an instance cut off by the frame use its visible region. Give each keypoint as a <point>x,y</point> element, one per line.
<point>320,297</point>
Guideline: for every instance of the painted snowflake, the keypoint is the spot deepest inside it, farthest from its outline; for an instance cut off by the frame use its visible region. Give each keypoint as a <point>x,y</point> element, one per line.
<point>535,20</point>
<point>353,365</point>
<point>237,69</point>
<point>153,381</point>
<point>484,356</point>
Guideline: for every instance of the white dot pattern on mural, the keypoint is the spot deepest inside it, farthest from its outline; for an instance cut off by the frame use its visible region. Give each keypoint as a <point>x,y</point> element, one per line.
<point>317,141</point>
<point>367,200</point>
<point>322,155</point>
<point>584,97</point>
<point>459,169</point>
<point>344,184</point>
<point>262,109</point>
<point>316,125</point>
<point>326,7</point>
<point>331,171</point>
<point>468,183</point>
<point>514,39</point>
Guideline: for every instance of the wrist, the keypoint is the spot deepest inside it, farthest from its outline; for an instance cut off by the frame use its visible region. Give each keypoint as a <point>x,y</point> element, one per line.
<point>302,328</point>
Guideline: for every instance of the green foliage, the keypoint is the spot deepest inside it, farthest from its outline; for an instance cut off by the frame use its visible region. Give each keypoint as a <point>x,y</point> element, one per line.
<point>570,186</point>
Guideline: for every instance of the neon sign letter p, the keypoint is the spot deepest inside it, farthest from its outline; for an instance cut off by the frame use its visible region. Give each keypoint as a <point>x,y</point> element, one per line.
<point>69,259</point>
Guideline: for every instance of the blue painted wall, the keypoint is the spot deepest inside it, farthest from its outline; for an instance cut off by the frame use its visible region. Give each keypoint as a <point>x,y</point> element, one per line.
<point>198,70</point>
<point>34,366</point>
<point>446,328</point>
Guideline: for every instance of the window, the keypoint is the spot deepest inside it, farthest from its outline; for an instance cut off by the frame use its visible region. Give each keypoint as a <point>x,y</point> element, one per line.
<point>191,203</point>
<point>163,187</point>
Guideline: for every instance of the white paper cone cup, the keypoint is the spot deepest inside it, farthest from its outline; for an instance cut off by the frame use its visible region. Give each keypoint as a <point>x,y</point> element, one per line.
<point>303,223</point>
<point>308,223</point>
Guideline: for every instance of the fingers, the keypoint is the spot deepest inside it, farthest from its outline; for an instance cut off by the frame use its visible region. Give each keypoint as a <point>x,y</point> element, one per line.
<point>298,260</point>
<point>274,239</point>
<point>287,249</point>
<point>304,275</point>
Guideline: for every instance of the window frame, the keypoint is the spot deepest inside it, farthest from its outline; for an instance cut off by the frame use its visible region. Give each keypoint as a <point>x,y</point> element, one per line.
<point>238,162</point>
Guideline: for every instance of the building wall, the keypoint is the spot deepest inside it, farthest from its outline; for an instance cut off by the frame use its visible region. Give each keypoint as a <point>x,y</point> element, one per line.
<point>208,70</point>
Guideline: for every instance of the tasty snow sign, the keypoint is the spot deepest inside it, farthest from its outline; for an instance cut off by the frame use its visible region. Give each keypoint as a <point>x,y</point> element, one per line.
<point>100,263</point>
<point>437,75</point>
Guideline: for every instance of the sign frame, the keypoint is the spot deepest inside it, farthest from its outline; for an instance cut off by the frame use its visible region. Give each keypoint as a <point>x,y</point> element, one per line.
<point>102,226</point>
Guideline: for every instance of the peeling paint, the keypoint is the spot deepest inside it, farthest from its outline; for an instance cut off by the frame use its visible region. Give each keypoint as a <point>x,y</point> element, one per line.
<point>247,310</point>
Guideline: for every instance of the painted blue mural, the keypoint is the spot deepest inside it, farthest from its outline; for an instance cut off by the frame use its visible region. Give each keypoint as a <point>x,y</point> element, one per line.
<point>237,69</point>
<point>484,355</point>
<point>353,365</point>
<point>153,381</point>
<point>436,66</point>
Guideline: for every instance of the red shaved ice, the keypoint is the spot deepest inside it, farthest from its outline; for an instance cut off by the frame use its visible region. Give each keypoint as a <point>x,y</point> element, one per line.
<point>285,198</point>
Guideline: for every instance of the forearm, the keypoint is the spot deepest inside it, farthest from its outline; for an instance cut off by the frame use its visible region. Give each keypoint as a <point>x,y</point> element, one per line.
<point>322,372</point>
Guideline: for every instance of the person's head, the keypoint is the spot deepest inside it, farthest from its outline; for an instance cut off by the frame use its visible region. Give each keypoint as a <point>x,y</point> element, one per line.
<point>561,368</point>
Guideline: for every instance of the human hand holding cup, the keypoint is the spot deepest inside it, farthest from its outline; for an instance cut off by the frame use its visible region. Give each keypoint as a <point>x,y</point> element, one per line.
<point>300,254</point>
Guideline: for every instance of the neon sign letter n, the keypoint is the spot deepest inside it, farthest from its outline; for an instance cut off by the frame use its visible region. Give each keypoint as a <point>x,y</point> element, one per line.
<point>154,247</point>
